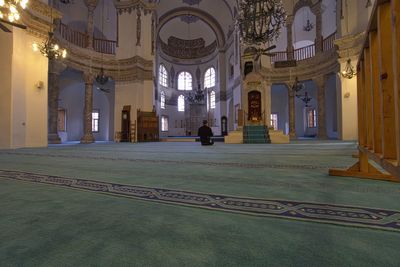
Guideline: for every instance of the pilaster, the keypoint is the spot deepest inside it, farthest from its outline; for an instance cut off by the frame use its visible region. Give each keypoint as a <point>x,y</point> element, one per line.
<point>55,68</point>
<point>292,112</point>
<point>321,122</point>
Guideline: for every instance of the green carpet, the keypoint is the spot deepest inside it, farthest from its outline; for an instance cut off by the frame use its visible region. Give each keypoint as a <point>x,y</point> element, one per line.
<point>43,225</point>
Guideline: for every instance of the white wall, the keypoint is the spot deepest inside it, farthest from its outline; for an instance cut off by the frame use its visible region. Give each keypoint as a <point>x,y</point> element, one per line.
<point>72,95</point>
<point>280,106</point>
<point>24,121</point>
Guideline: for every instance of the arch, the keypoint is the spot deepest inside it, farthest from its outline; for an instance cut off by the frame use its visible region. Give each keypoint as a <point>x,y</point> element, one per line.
<point>209,78</point>
<point>301,4</point>
<point>185,81</point>
<point>204,16</point>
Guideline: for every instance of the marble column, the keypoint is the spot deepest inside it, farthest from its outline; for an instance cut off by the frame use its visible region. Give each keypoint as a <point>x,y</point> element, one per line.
<point>87,117</point>
<point>91,5</point>
<point>292,112</point>
<point>290,48</point>
<point>318,26</point>
<point>55,68</point>
<point>321,122</point>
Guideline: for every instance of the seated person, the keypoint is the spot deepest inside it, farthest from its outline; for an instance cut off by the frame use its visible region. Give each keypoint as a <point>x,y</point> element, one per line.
<point>205,134</point>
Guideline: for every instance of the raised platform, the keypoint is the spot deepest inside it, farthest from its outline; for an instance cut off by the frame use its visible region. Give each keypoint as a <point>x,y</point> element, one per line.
<point>188,139</point>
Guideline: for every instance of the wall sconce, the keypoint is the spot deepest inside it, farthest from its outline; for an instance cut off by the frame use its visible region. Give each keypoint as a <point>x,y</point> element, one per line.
<point>39,85</point>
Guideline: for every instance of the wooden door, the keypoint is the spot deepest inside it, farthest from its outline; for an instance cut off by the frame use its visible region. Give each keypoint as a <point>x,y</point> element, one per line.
<point>254,111</point>
<point>125,125</point>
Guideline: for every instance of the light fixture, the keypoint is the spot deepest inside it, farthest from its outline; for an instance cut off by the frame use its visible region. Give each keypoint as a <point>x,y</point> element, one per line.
<point>260,21</point>
<point>197,98</point>
<point>49,48</point>
<point>297,87</point>
<point>349,72</point>
<point>9,9</point>
<point>308,27</point>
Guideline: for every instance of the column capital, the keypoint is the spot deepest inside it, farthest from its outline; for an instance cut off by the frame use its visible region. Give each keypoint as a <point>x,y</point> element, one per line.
<point>56,66</point>
<point>91,4</point>
<point>320,81</point>
<point>289,20</point>
<point>88,77</point>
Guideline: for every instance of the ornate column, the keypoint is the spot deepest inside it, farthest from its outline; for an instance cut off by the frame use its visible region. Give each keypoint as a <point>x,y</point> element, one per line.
<point>316,9</point>
<point>55,68</point>
<point>321,123</point>
<point>290,48</point>
<point>87,119</point>
<point>292,112</point>
<point>91,5</point>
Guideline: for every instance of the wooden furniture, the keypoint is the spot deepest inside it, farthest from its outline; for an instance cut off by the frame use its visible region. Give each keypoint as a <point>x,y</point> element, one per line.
<point>378,89</point>
<point>147,126</point>
<point>133,132</point>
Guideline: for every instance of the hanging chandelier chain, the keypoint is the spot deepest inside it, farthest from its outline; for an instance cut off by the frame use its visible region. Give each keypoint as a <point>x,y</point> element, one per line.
<point>260,21</point>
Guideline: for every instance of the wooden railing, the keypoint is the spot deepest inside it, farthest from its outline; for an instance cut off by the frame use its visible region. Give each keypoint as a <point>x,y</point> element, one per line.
<point>328,43</point>
<point>72,36</point>
<point>104,46</point>
<point>305,52</point>
<point>279,56</point>
<point>81,39</point>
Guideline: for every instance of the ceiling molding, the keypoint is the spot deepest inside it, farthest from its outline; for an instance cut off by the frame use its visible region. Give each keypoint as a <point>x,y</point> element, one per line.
<point>201,14</point>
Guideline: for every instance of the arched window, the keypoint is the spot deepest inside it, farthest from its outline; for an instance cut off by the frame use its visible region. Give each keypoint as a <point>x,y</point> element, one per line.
<point>184,81</point>
<point>181,103</point>
<point>163,76</point>
<point>212,100</point>
<point>162,100</point>
<point>209,78</point>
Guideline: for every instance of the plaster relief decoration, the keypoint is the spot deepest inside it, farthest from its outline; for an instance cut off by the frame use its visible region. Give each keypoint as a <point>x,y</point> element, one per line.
<point>138,26</point>
<point>187,49</point>
<point>191,2</point>
<point>189,19</point>
<point>132,5</point>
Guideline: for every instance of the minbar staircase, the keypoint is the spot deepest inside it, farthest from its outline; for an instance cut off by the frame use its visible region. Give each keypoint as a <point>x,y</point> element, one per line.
<point>256,134</point>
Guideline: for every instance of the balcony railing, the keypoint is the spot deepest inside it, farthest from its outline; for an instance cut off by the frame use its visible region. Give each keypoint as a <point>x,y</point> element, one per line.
<point>329,42</point>
<point>104,46</point>
<point>81,39</point>
<point>304,52</point>
<point>72,36</point>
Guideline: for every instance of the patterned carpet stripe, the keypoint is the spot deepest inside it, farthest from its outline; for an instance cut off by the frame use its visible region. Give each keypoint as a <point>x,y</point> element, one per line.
<point>317,212</point>
<point>206,163</point>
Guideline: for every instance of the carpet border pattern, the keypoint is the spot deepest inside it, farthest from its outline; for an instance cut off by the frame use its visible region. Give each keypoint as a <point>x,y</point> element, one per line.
<point>317,212</point>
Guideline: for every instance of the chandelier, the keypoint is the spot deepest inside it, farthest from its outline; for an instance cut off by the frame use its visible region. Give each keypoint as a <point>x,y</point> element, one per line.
<point>308,27</point>
<point>50,48</point>
<point>349,72</point>
<point>297,87</point>
<point>260,21</point>
<point>197,98</point>
<point>9,10</point>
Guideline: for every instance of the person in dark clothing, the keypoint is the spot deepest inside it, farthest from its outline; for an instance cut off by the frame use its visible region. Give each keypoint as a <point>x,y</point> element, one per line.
<point>205,134</point>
